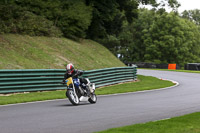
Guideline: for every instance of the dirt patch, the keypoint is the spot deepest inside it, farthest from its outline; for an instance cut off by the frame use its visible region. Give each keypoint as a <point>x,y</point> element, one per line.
<point>63,58</point>
<point>9,94</point>
<point>2,39</point>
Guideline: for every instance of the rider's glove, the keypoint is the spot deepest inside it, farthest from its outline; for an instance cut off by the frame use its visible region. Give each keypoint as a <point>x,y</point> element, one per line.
<point>63,82</point>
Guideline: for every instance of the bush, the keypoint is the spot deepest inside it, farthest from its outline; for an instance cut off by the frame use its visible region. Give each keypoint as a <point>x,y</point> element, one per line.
<point>34,25</point>
<point>15,20</point>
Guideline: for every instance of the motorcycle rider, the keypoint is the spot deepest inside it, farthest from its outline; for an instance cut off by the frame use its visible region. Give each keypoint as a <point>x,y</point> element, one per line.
<point>74,73</point>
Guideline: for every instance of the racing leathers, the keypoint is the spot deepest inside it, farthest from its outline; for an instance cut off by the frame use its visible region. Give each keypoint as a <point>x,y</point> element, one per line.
<point>75,74</point>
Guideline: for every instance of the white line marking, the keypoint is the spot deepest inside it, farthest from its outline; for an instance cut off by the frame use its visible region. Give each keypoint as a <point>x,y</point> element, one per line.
<point>34,102</point>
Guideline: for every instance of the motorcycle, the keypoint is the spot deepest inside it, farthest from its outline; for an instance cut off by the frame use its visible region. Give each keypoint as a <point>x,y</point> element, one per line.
<point>77,92</point>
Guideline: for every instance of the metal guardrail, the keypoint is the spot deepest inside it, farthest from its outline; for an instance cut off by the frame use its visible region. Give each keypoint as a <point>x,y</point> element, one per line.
<point>27,80</point>
<point>108,76</point>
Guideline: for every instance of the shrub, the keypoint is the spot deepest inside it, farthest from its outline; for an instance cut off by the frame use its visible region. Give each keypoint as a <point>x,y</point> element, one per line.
<point>15,20</point>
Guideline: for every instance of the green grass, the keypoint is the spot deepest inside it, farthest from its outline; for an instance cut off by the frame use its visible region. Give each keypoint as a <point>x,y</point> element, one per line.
<point>188,71</point>
<point>184,124</point>
<point>26,52</point>
<point>30,97</point>
<point>144,83</point>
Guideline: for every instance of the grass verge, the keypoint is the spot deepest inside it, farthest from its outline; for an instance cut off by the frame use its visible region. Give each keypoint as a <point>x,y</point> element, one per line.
<point>188,71</point>
<point>184,124</point>
<point>145,83</point>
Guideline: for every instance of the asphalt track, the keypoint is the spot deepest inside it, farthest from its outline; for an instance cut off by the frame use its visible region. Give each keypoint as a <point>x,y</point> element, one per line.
<point>60,116</point>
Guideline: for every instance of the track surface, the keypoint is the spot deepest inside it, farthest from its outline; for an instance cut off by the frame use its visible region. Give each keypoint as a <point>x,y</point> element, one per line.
<point>110,111</point>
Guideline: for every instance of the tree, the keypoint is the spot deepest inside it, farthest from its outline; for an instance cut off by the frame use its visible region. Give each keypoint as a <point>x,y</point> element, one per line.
<point>174,4</point>
<point>110,30</point>
<point>72,17</point>
<point>162,38</point>
<point>165,38</point>
<point>133,37</point>
<point>109,16</point>
<point>98,19</point>
<point>192,15</point>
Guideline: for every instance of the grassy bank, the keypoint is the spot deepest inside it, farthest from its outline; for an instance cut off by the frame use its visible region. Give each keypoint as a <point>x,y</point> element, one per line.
<point>184,124</point>
<point>26,52</point>
<point>145,83</point>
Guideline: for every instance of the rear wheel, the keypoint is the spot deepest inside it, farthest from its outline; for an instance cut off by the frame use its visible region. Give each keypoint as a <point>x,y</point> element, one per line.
<point>93,98</point>
<point>73,98</point>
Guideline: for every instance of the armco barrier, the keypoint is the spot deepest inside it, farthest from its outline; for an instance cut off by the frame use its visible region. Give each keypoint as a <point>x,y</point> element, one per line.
<point>108,76</point>
<point>192,66</point>
<point>28,80</point>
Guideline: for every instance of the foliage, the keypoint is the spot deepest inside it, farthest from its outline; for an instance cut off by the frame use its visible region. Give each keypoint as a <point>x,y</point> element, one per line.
<point>172,40</point>
<point>109,15</point>
<point>15,20</point>
<point>75,18</point>
<point>162,38</point>
<point>25,16</point>
<point>131,34</point>
<point>72,17</point>
<point>192,15</point>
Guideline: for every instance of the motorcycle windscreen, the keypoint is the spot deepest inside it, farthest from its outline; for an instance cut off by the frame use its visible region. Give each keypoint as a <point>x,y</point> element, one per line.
<point>69,81</point>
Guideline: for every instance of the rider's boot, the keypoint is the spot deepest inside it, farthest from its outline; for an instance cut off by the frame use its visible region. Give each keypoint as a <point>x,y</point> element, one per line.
<point>88,90</point>
<point>85,88</point>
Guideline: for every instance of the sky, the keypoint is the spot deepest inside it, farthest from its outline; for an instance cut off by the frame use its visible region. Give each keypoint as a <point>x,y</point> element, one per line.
<point>188,5</point>
<point>185,5</point>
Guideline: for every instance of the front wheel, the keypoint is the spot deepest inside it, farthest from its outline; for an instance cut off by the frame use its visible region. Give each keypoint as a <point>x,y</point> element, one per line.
<point>93,98</point>
<point>73,98</point>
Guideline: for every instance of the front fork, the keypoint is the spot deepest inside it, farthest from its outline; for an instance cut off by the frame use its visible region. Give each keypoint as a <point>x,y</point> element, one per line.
<point>72,88</point>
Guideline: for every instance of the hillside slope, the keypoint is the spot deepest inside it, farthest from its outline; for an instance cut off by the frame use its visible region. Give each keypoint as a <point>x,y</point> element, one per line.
<point>26,52</point>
